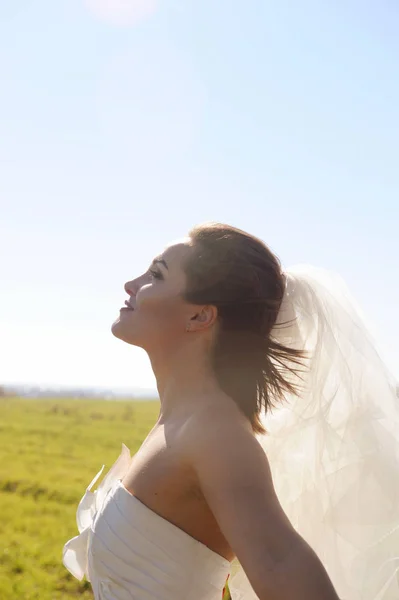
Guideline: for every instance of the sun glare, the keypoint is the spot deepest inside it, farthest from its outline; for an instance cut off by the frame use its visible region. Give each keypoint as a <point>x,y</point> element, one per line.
<point>122,12</point>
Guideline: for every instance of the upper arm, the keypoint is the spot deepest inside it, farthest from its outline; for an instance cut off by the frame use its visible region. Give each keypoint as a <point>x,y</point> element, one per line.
<point>234,476</point>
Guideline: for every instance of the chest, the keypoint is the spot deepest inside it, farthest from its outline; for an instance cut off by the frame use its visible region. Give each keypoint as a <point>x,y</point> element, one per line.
<point>161,478</point>
<point>159,475</point>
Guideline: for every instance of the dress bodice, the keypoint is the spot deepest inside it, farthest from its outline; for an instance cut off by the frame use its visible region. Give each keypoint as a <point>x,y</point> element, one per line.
<point>129,552</point>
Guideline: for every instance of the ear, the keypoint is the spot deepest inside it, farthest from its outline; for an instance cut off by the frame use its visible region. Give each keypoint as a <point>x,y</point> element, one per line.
<point>203,319</point>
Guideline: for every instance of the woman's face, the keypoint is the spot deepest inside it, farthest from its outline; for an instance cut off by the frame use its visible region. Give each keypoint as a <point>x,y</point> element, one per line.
<point>158,314</point>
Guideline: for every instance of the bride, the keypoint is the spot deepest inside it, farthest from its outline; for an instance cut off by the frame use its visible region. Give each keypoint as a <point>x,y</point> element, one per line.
<point>274,463</point>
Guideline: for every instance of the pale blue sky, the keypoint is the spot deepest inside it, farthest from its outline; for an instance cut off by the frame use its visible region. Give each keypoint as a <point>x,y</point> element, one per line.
<point>122,124</point>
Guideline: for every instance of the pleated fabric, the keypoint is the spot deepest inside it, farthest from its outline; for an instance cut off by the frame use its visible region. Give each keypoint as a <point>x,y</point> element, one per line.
<point>129,552</point>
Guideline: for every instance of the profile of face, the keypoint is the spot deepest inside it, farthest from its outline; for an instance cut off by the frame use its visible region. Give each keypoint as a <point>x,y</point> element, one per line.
<point>157,315</point>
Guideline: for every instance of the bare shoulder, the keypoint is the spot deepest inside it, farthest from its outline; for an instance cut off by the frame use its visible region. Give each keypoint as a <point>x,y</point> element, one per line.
<point>220,439</point>
<point>234,476</point>
<point>216,421</point>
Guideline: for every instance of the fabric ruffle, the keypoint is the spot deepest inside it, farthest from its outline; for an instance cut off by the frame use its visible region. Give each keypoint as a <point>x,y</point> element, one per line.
<point>74,556</point>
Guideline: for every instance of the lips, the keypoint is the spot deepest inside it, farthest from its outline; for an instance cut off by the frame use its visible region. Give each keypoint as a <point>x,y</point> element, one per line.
<point>128,305</point>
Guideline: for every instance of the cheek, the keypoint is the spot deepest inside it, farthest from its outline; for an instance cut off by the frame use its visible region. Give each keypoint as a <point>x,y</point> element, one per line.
<point>161,310</point>
<point>145,292</point>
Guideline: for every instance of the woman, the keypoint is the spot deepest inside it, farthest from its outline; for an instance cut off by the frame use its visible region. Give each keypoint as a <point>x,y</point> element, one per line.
<point>229,336</point>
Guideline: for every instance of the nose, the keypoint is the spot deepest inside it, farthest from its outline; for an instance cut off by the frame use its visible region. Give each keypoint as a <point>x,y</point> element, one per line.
<point>129,288</point>
<point>133,286</point>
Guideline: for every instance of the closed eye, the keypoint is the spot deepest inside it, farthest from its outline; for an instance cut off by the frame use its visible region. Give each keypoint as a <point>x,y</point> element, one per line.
<point>156,274</point>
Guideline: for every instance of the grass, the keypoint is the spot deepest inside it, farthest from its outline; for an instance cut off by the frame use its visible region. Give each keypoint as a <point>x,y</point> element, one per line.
<point>49,452</point>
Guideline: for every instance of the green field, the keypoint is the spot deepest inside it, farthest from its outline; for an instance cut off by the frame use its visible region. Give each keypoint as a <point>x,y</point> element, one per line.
<point>49,452</point>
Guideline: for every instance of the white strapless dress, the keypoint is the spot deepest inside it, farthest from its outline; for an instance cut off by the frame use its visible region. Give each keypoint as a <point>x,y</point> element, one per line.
<point>347,509</point>
<point>129,552</point>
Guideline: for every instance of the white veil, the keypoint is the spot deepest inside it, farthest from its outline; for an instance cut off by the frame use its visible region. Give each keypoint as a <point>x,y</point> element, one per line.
<point>334,449</point>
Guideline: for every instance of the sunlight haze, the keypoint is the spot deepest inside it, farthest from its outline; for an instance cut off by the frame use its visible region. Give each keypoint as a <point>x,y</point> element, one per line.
<point>123,124</point>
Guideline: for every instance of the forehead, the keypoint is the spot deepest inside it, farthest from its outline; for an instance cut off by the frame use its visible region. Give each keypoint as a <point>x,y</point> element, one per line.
<point>176,252</point>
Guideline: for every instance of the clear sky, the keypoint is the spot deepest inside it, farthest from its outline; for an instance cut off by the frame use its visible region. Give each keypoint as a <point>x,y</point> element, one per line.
<point>125,122</point>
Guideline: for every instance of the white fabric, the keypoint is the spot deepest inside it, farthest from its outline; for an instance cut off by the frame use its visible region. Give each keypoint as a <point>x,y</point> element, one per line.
<point>334,450</point>
<point>129,552</point>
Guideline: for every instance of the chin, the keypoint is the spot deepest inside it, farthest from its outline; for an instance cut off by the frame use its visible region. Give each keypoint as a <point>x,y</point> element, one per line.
<point>120,331</point>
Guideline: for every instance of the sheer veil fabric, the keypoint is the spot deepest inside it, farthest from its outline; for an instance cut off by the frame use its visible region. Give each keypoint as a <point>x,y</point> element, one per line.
<point>334,449</point>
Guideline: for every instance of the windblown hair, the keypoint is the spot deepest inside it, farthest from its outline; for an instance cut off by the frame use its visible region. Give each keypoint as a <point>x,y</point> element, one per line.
<point>238,273</point>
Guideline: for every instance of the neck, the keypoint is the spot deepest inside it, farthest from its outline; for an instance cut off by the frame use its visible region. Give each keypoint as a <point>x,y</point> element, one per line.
<point>184,377</point>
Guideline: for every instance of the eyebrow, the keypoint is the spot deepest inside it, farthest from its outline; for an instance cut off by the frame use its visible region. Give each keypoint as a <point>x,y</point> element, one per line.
<point>159,260</point>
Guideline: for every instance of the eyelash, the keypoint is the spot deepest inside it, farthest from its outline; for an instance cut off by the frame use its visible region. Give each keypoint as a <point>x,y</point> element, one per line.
<point>155,274</point>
